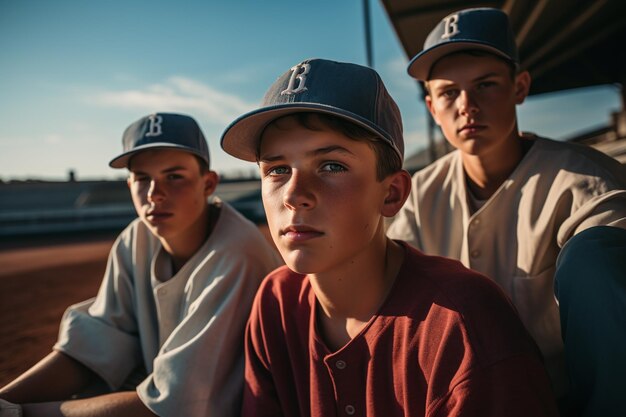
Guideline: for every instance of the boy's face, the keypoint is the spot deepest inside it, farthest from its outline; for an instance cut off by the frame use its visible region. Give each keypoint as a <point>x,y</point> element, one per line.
<point>473,99</point>
<point>169,192</point>
<point>321,197</point>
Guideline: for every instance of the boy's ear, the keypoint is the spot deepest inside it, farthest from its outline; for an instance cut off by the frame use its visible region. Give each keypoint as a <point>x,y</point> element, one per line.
<point>211,179</point>
<point>522,86</point>
<point>398,189</point>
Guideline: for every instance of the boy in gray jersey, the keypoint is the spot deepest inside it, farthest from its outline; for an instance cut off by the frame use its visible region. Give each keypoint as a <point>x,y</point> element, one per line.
<point>507,204</point>
<point>165,331</point>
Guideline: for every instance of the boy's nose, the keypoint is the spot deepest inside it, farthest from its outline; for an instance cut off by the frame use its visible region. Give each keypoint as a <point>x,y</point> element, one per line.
<point>297,193</point>
<point>467,104</point>
<point>155,192</point>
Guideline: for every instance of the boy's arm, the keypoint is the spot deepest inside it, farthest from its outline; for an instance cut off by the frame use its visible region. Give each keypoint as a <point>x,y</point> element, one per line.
<point>259,393</point>
<point>55,377</point>
<point>516,386</point>
<point>260,396</point>
<point>608,209</point>
<point>119,404</point>
<point>41,389</point>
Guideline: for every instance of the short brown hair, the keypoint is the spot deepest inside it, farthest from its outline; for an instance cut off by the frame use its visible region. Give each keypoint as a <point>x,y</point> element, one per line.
<point>204,167</point>
<point>387,159</point>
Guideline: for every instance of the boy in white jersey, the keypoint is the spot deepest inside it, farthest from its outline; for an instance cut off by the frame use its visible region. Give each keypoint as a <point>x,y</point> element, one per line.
<point>165,332</point>
<point>505,204</point>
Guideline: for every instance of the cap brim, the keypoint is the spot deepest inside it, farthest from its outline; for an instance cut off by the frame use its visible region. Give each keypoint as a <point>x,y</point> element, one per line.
<point>420,66</point>
<point>121,161</point>
<point>241,137</point>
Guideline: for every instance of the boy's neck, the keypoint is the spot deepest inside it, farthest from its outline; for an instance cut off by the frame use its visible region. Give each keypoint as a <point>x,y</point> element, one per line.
<point>486,173</point>
<point>187,243</point>
<point>350,296</point>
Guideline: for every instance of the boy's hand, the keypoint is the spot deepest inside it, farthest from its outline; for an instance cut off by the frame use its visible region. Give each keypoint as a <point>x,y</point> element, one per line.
<point>8,409</point>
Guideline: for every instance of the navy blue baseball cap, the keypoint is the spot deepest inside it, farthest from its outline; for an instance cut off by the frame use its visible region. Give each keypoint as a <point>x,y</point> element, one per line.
<point>162,130</point>
<point>348,91</point>
<point>482,28</point>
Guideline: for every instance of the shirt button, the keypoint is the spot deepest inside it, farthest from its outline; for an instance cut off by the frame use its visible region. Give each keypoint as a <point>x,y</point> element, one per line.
<point>475,222</point>
<point>340,364</point>
<point>475,253</point>
<point>350,410</point>
<point>162,291</point>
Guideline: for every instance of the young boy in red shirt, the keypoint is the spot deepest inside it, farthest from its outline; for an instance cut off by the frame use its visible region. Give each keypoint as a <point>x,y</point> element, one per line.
<point>356,323</point>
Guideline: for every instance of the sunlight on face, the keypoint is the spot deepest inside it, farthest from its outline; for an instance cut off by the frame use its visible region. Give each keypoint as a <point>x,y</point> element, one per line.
<point>321,196</point>
<point>473,99</point>
<point>168,190</point>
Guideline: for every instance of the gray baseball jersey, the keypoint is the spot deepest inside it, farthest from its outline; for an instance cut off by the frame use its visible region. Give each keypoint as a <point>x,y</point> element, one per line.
<point>187,330</point>
<point>556,191</point>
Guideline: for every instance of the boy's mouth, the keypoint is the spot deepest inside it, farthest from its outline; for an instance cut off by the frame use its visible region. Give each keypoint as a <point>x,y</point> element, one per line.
<point>300,232</point>
<point>157,215</point>
<point>471,128</point>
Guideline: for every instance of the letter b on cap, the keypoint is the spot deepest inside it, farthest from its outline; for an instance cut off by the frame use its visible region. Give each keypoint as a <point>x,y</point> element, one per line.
<point>298,73</point>
<point>154,129</point>
<point>450,26</point>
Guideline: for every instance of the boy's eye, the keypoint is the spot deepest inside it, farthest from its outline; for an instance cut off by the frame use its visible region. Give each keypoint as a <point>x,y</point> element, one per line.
<point>279,170</point>
<point>174,176</point>
<point>449,93</point>
<point>333,167</point>
<point>485,84</point>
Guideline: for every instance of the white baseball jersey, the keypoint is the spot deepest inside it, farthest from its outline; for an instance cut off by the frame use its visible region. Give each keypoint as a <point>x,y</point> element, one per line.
<point>186,329</point>
<point>556,191</point>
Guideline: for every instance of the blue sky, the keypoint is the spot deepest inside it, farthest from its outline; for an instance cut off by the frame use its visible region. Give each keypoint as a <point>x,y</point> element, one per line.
<point>75,73</point>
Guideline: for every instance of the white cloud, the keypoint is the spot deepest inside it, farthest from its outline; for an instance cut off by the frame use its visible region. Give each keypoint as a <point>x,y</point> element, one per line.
<point>178,94</point>
<point>52,139</point>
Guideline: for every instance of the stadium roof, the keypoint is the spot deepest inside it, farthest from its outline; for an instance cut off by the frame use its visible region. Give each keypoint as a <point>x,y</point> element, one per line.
<point>563,43</point>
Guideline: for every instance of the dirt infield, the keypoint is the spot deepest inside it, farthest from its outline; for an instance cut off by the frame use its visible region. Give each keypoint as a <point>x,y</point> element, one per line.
<point>36,286</point>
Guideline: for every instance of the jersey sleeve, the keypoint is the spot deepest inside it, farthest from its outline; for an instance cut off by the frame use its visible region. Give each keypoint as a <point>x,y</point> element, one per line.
<point>103,331</point>
<point>260,397</point>
<point>607,209</point>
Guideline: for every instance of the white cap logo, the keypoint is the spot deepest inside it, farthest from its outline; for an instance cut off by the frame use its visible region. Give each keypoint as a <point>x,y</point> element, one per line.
<point>450,26</point>
<point>298,73</point>
<point>155,125</point>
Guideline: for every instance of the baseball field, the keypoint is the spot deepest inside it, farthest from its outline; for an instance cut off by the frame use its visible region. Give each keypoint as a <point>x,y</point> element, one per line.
<point>37,283</point>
